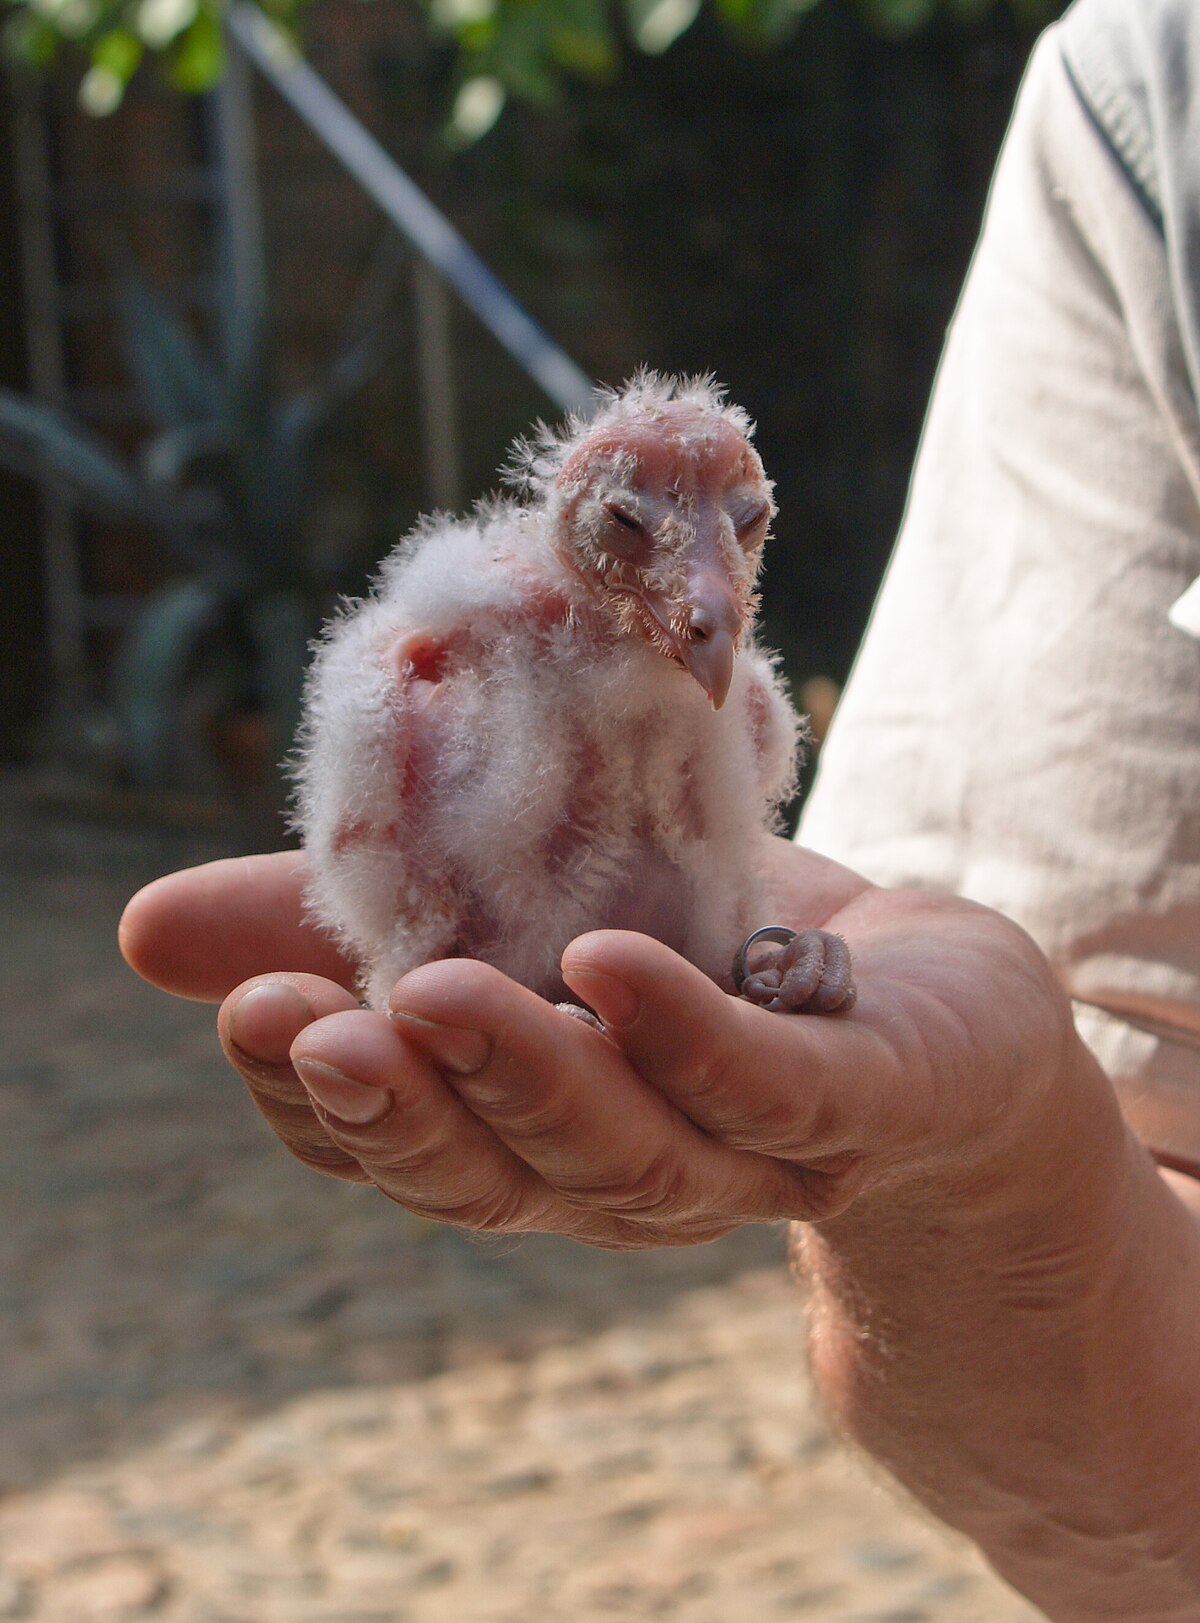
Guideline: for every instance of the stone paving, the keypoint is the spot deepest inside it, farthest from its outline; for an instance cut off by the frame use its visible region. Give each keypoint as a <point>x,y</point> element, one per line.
<point>232,1392</point>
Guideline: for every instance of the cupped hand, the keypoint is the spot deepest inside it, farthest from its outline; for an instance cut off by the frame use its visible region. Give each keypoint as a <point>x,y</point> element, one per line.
<point>476,1103</point>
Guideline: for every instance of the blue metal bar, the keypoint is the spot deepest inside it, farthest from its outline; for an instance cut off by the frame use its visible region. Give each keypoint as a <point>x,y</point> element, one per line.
<point>409,210</point>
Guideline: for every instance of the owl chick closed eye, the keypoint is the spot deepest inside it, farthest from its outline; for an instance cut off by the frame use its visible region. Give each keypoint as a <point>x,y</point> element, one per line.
<point>551,717</point>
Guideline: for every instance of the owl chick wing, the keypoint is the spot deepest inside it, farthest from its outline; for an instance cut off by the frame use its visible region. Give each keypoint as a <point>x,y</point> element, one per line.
<point>428,764</point>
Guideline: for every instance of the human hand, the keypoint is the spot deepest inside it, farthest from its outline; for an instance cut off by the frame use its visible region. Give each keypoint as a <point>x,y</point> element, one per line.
<point>477,1103</point>
<point>977,1229</point>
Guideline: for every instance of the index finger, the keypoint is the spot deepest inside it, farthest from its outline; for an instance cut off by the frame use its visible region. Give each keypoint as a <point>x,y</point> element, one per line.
<point>564,1100</point>
<point>201,932</point>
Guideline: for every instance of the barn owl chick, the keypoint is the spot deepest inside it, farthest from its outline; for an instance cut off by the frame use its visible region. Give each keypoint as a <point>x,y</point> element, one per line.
<point>551,717</point>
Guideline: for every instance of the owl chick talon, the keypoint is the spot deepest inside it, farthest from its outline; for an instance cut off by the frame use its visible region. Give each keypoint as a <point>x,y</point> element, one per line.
<point>805,972</point>
<point>578,1012</point>
<point>741,964</point>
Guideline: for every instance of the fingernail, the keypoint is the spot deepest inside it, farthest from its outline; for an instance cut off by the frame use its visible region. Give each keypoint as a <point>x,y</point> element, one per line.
<point>341,1096</point>
<point>266,1022</point>
<point>458,1049</point>
<point>616,1004</point>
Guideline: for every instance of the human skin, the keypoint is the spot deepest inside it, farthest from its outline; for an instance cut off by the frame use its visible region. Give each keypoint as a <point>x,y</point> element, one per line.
<point>1005,1290</point>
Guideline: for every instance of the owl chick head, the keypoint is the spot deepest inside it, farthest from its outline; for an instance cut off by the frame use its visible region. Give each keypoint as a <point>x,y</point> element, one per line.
<point>659,504</point>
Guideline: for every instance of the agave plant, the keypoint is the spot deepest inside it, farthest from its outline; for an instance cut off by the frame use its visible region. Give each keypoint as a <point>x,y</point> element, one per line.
<point>226,480</point>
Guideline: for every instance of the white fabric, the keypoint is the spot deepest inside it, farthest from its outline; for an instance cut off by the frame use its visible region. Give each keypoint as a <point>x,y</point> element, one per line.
<point>1023,723</point>
<point>1184,613</point>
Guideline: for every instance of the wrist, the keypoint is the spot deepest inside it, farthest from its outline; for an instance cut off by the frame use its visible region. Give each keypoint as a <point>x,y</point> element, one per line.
<point>1017,1342</point>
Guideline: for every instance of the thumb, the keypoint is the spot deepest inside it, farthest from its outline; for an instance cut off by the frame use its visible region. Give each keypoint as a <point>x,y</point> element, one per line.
<point>804,1087</point>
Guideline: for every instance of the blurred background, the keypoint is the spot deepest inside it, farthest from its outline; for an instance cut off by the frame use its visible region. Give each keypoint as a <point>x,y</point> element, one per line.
<point>230,1391</point>
<point>239,382</point>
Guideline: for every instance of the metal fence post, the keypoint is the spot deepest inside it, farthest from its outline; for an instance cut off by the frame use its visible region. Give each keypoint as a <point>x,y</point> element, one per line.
<point>66,612</point>
<point>435,367</point>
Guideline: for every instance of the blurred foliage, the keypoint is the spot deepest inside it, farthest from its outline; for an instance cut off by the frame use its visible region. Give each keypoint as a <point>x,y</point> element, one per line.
<point>227,480</point>
<point>525,49</point>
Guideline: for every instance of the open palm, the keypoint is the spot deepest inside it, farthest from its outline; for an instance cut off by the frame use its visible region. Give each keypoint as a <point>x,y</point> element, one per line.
<point>477,1103</point>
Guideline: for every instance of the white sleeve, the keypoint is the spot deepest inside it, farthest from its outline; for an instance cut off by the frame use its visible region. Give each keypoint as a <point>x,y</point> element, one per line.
<point>1023,723</point>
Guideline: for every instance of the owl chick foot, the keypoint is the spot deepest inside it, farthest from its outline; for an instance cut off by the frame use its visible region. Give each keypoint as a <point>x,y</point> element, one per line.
<point>809,972</point>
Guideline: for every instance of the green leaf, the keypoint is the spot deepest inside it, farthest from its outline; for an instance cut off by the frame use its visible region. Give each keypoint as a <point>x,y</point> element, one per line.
<point>32,39</point>
<point>159,22</point>
<point>177,381</point>
<point>197,59</point>
<point>286,14</point>
<point>191,466</point>
<point>519,53</point>
<point>1034,14</point>
<point>457,16</point>
<point>897,19</point>
<point>152,665</point>
<point>101,91</point>
<point>769,22</point>
<point>36,439</point>
<point>115,56</point>
<point>477,106</point>
<point>657,24</point>
<point>168,458</point>
<point>74,19</point>
<point>120,51</point>
<point>589,55</point>
<point>581,37</point>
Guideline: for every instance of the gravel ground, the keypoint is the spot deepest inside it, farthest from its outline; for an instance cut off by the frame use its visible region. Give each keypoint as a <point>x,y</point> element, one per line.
<point>233,1392</point>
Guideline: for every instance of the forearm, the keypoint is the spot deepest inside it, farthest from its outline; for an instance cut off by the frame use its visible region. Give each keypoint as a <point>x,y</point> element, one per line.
<point>1026,1360</point>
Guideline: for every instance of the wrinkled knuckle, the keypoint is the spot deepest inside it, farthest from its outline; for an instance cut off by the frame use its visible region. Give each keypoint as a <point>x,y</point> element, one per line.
<point>409,1164</point>
<point>661,1188</point>
<point>501,1209</point>
<point>704,1076</point>
<point>818,1195</point>
<point>274,1088</point>
<point>545,1120</point>
<point>656,1190</point>
<point>630,1234</point>
<point>769,1121</point>
<point>622,1235</point>
<point>498,1210</point>
<point>302,1135</point>
<point>332,1163</point>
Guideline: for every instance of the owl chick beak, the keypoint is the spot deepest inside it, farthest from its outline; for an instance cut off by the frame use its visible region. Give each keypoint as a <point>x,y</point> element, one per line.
<point>710,625</point>
<point>703,619</point>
